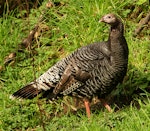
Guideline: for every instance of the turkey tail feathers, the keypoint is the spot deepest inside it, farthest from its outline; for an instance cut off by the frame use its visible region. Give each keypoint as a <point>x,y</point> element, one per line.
<point>28,92</point>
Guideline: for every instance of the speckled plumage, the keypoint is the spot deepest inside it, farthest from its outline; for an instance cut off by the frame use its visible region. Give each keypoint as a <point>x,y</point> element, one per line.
<point>92,70</point>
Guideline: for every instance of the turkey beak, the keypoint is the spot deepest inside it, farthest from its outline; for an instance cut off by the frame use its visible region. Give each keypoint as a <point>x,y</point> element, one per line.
<point>101,20</point>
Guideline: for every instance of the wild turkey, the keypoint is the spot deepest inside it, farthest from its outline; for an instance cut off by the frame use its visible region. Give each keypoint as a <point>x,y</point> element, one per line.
<point>92,70</point>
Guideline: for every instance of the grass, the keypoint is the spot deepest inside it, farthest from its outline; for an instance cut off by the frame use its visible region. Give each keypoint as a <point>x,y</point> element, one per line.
<point>66,27</point>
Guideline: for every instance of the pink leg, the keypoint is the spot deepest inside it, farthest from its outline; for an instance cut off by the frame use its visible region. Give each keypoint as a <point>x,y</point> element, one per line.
<point>106,105</point>
<point>87,107</point>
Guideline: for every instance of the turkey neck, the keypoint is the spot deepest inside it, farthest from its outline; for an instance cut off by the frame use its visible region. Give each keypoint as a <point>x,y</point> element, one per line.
<point>118,45</point>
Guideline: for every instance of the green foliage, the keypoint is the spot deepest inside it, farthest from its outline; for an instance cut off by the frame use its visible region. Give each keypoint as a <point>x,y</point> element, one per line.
<point>66,27</point>
<point>140,2</point>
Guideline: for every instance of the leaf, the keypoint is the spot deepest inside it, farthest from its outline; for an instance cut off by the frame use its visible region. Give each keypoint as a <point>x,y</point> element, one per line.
<point>140,2</point>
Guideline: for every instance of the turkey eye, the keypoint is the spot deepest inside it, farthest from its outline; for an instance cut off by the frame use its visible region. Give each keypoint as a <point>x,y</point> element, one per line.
<point>109,17</point>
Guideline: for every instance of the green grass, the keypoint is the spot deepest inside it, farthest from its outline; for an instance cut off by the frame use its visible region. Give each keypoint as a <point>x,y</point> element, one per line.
<point>71,25</point>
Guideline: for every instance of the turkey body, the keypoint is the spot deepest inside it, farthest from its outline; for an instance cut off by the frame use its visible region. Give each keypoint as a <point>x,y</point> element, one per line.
<point>96,60</point>
<point>92,70</point>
